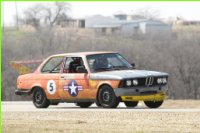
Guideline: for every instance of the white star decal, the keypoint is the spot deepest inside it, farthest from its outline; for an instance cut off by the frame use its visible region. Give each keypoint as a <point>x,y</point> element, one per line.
<point>73,88</point>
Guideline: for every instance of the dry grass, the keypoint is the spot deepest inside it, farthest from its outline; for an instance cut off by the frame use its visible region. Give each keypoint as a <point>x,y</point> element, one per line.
<point>181,104</point>
<point>90,121</point>
<point>103,120</point>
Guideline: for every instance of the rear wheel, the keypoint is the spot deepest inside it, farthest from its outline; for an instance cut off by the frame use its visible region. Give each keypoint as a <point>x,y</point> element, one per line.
<point>107,97</point>
<point>153,104</point>
<point>84,104</point>
<point>131,104</point>
<point>39,98</point>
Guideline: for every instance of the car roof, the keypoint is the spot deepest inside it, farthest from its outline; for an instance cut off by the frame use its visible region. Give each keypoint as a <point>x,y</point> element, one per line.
<point>84,53</point>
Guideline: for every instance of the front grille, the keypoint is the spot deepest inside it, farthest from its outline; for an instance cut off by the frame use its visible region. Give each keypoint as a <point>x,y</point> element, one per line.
<point>142,82</point>
<point>148,92</point>
<point>149,81</point>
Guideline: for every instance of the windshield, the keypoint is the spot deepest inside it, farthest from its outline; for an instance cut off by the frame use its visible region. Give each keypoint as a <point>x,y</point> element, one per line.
<point>107,62</point>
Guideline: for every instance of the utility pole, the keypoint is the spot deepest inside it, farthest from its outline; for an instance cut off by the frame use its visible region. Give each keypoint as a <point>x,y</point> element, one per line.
<point>17,21</point>
<point>3,17</point>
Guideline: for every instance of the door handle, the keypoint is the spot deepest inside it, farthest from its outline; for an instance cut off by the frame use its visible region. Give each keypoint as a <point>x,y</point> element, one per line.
<point>62,77</point>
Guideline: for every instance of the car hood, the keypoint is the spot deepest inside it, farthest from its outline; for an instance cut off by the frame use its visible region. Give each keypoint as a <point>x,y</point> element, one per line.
<point>125,74</point>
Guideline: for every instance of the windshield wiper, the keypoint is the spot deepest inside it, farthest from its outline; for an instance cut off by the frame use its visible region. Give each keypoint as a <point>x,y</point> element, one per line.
<point>46,71</point>
<point>102,68</point>
<point>120,67</point>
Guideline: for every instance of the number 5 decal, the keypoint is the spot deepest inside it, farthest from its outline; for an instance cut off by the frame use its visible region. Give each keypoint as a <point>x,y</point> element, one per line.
<point>51,87</point>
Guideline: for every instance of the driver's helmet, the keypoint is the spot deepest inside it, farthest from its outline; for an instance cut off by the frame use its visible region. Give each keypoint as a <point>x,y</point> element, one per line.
<point>77,60</point>
<point>101,62</point>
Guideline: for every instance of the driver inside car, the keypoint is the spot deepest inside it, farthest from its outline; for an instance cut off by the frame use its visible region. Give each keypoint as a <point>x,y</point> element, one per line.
<point>101,63</point>
<point>74,64</point>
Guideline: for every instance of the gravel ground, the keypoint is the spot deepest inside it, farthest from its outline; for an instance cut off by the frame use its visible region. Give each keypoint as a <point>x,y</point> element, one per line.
<point>140,120</point>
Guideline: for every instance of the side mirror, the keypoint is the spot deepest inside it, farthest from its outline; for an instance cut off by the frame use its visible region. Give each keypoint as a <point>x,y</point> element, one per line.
<point>81,69</point>
<point>133,65</point>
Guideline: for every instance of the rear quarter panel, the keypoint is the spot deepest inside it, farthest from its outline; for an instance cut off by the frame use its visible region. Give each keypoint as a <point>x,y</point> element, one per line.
<point>30,81</point>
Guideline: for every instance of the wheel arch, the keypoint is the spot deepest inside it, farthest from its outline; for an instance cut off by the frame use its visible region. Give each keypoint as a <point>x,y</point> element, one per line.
<point>36,87</point>
<point>100,86</point>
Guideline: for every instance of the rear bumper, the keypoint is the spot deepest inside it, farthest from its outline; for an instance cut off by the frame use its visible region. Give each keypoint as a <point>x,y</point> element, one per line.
<point>140,91</point>
<point>22,92</point>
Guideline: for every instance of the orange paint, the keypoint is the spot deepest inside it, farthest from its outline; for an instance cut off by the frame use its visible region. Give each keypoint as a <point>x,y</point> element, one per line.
<point>61,80</point>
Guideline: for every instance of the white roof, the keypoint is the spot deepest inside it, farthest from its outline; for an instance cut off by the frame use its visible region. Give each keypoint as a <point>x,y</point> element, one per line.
<point>119,23</point>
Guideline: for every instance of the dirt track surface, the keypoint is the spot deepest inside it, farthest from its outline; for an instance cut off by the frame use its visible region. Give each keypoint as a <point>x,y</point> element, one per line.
<point>173,117</point>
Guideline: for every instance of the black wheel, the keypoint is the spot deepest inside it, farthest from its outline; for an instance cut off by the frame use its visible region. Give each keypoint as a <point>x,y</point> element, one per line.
<point>97,103</point>
<point>39,99</point>
<point>131,104</point>
<point>107,98</point>
<point>153,104</point>
<point>84,104</point>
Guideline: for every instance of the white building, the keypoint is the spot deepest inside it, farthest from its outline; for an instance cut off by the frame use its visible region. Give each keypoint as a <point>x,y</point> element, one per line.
<point>125,25</point>
<point>132,27</point>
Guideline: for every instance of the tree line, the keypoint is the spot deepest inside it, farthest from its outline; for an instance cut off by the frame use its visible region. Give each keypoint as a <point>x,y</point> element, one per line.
<point>176,53</point>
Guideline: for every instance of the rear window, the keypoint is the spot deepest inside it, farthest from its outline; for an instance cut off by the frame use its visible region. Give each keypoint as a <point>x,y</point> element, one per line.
<point>53,65</point>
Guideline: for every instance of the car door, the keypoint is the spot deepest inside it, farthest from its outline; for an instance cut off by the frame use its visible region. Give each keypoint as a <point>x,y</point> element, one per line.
<point>49,77</point>
<point>73,84</point>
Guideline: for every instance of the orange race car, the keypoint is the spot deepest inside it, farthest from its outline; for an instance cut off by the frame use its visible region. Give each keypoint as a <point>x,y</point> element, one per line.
<point>105,78</point>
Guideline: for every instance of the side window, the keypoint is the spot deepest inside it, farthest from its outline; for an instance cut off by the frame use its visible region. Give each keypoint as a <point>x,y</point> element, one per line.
<point>53,65</point>
<point>72,64</point>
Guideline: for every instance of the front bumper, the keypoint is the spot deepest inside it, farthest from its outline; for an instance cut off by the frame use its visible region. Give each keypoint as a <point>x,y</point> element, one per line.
<point>22,92</point>
<point>153,97</point>
<point>136,91</point>
<point>141,93</point>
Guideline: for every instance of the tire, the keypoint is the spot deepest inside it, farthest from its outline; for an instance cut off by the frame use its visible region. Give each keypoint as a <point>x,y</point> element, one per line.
<point>153,104</point>
<point>84,104</point>
<point>39,98</point>
<point>98,104</point>
<point>107,97</point>
<point>131,104</point>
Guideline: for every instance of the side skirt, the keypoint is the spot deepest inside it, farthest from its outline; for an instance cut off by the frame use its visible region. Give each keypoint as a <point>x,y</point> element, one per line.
<point>72,100</point>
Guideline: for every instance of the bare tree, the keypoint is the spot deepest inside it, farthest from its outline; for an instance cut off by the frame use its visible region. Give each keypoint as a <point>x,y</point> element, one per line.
<point>46,14</point>
<point>52,13</point>
<point>32,16</point>
<point>148,13</point>
<point>178,55</point>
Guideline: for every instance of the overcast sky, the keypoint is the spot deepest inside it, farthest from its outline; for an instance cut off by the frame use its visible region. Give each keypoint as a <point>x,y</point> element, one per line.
<point>187,10</point>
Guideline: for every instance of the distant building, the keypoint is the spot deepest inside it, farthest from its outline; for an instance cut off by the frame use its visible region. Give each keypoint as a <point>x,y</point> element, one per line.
<point>126,25</point>
<point>124,16</point>
<point>133,27</point>
<point>98,19</point>
<point>134,17</point>
<point>73,23</point>
<point>120,16</point>
<point>182,21</point>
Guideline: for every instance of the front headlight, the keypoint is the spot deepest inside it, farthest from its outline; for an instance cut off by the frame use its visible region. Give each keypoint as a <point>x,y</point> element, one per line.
<point>128,83</point>
<point>135,82</point>
<point>159,80</point>
<point>164,80</point>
